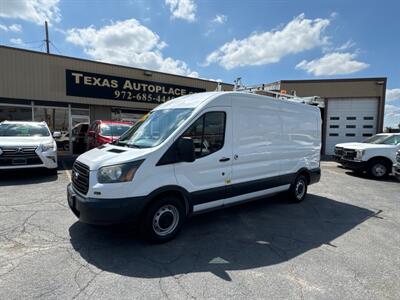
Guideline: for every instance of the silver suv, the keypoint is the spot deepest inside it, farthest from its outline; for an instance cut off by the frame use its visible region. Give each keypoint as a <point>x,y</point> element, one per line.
<point>27,145</point>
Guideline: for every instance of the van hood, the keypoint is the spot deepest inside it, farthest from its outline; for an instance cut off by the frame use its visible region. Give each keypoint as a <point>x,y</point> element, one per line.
<point>24,140</point>
<point>364,146</point>
<point>109,155</point>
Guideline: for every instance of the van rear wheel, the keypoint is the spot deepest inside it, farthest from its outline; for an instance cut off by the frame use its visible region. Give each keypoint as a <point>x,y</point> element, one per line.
<point>298,190</point>
<point>163,219</point>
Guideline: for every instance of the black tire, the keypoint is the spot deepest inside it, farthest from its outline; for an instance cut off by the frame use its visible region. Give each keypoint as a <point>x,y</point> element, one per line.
<point>298,190</point>
<point>378,168</point>
<point>163,219</point>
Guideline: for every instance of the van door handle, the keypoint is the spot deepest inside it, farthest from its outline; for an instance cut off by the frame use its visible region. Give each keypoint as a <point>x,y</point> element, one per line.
<point>224,159</point>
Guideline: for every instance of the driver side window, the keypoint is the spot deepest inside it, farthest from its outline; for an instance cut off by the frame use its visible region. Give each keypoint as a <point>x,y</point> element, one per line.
<point>207,133</point>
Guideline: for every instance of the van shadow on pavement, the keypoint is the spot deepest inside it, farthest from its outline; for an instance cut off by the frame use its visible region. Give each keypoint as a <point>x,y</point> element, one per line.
<point>257,234</point>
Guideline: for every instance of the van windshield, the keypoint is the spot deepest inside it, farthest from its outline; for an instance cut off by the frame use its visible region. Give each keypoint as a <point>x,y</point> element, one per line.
<point>155,129</point>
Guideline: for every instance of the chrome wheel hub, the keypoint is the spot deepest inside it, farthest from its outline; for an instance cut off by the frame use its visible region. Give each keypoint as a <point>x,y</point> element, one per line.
<point>300,189</point>
<point>165,220</point>
<point>379,170</point>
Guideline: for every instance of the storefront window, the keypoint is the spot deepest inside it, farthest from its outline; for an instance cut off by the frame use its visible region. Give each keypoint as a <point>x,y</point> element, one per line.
<point>56,118</point>
<point>12,113</point>
<point>118,114</point>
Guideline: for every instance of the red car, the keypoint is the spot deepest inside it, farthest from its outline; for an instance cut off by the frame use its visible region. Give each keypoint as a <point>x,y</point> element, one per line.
<point>103,132</point>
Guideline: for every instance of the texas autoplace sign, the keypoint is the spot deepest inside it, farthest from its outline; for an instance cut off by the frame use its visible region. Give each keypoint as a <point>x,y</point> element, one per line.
<point>92,85</point>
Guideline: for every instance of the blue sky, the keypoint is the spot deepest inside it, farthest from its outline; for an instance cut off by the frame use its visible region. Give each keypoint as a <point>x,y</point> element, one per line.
<point>260,41</point>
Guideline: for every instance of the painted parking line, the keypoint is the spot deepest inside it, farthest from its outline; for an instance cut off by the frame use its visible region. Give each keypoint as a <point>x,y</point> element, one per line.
<point>67,171</point>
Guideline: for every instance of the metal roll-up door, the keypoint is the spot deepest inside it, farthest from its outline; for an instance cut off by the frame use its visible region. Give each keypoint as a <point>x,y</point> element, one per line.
<point>350,120</point>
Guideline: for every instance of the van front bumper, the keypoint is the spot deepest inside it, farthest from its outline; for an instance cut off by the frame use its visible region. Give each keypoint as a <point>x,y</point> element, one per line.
<point>105,211</point>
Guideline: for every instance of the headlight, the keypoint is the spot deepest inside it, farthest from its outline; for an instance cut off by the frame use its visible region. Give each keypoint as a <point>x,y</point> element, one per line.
<point>359,154</point>
<point>118,173</point>
<point>48,146</point>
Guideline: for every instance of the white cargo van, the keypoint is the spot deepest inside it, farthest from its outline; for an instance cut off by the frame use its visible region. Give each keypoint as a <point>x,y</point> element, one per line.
<point>196,153</point>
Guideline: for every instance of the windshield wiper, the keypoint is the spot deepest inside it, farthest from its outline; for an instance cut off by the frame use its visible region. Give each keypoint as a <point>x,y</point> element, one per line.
<point>133,146</point>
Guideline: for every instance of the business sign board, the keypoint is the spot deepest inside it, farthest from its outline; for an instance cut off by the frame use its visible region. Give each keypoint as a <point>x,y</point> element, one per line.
<point>92,85</point>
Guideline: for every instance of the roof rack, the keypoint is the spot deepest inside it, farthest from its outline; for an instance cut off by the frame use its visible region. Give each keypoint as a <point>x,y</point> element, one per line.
<point>283,95</point>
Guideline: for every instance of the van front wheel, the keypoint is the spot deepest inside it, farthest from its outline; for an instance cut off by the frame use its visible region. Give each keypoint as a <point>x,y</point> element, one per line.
<point>298,190</point>
<point>163,219</point>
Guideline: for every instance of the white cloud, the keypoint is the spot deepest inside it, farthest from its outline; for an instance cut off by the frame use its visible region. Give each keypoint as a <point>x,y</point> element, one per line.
<point>127,43</point>
<point>182,9</point>
<point>298,35</point>
<point>36,11</point>
<point>349,44</point>
<point>344,47</point>
<point>220,19</point>
<point>392,115</point>
<point>333,64</point>
<point>392,94</point>
<point>16,41</point>
<point>13,27</point>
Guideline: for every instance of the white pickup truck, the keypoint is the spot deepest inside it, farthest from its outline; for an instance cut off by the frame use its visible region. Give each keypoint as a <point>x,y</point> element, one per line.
<point>376,155</point>
<point>396,167</point>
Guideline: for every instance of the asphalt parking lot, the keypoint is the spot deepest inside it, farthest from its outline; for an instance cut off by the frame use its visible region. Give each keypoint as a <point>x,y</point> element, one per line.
<point>342,242</point>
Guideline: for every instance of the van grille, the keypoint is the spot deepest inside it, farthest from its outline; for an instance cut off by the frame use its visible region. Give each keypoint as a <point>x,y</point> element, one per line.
<point>80,177</point>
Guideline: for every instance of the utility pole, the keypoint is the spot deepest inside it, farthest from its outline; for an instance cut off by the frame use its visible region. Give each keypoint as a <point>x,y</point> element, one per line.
<point>47,38</point>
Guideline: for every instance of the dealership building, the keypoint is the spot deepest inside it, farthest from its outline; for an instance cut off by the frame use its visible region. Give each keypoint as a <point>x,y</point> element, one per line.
<point>66,91</point>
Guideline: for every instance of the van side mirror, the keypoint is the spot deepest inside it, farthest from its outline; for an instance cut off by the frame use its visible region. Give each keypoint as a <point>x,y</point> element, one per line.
<point>56,134</point>
<point>185,149</point>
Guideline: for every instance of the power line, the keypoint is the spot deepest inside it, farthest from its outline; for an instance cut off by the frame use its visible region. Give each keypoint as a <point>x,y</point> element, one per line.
<point>55,47</point>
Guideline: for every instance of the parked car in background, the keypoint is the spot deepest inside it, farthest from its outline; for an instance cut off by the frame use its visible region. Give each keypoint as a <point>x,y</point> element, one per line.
<point>79,137</point>
<point>196,153</point>
<point>376,155</point>
<point>63,141</point>
<point>27,145</point>
<point>104,132</point>
<point>396,167</point>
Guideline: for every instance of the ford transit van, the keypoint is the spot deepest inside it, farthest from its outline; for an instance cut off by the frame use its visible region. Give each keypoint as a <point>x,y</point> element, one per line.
<point>196,153</point>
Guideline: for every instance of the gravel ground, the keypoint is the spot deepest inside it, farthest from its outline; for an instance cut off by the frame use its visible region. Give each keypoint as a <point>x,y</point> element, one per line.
<point>342,242</point>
